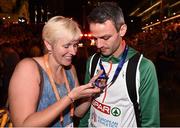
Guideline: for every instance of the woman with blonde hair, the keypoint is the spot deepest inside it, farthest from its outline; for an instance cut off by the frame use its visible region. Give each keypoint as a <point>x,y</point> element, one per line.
<point>43,90</point>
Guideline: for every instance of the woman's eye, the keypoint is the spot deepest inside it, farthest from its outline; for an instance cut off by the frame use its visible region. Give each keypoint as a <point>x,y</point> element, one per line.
<point>66,46</point>
<point>75,45</point>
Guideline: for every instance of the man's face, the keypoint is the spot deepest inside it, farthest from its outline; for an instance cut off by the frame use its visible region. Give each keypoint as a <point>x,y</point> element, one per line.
<point>106,37</point>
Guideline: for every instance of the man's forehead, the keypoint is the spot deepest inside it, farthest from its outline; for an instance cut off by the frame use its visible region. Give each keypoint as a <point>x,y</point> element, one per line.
<point>106,23</point>
<point>102,29</point>
<point>102,35</point>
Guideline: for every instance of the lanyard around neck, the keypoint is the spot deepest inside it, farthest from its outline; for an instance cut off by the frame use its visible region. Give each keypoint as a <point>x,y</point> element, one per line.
<point>57,95</point>
<point>119,67</point>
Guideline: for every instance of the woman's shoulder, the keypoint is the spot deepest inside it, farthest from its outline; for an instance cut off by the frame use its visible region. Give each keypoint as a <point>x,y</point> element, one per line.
<point>30,62</point>
<point>27,67</point>
<point>26,76</point>
<point>26,63</point>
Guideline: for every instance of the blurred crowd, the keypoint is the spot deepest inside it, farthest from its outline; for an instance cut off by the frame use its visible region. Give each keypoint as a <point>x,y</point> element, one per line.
<point>16,42</point>
<point>158,42</point>
<point>25,39</point>
<point>162,46</point>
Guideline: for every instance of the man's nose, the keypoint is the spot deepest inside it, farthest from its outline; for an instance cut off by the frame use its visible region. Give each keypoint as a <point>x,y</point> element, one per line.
<point>99,43</point>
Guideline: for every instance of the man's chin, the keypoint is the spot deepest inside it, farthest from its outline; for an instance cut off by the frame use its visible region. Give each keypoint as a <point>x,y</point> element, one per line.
<point>105,54</point>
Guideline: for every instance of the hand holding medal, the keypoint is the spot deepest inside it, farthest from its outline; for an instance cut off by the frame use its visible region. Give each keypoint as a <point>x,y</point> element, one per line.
<point>101,81</point>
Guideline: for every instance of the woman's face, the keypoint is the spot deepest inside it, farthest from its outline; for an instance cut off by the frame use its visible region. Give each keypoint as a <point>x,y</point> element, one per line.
<point>63,51</point>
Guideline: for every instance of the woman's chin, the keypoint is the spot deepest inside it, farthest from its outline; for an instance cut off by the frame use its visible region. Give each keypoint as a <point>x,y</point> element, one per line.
<point>68,63</point>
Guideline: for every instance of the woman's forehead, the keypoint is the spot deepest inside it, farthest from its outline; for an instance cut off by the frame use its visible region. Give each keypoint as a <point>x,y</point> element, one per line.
<point>69,39</point>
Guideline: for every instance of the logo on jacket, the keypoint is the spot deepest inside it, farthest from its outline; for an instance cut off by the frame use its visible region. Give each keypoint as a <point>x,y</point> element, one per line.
<point>101,107</point>
<point>115,111</point>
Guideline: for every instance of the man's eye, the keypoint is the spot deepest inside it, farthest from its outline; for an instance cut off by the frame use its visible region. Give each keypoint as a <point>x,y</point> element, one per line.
<point>94,38</point>
<point>106,37</point>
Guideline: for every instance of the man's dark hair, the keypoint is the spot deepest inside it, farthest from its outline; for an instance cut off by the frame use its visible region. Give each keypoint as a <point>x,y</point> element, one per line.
<point>107,11</point>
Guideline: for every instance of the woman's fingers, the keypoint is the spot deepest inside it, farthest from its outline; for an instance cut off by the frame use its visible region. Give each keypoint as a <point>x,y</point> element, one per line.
<point>88,89</point>
<point>96,76</point>
<point>91,89</point>
<point>85,91</point>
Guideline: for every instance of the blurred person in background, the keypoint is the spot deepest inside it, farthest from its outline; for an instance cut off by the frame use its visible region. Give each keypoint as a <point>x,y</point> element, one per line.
<point>9,58</point>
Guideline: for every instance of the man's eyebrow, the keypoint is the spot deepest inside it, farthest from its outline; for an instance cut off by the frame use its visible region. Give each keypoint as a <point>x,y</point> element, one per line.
<point>102,36</point>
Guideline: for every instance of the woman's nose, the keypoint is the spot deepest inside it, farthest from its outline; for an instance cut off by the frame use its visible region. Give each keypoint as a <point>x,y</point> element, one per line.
<point>73,50</point>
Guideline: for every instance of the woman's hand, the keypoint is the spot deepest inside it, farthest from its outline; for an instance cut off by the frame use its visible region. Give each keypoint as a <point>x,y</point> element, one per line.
<point>86,90</point>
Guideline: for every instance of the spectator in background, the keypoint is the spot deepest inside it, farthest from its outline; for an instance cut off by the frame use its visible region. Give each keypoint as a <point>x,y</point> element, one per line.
<point>9,59</point>
<point>35,51</point>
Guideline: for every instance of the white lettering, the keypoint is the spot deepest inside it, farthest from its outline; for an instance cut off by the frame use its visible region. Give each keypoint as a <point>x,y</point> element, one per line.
<point>101,107</point>
<point>107,123</point>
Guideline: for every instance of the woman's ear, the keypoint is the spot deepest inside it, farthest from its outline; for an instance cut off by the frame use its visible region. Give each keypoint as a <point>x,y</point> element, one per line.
<point>123,30</point>
<point>48,46</point>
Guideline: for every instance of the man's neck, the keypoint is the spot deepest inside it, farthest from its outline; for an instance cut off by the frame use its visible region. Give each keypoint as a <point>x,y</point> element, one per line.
<point>114,58</point>
<point>120,50</point>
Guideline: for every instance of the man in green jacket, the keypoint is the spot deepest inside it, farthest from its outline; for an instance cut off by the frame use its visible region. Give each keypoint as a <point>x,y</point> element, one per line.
<point>113,107</point>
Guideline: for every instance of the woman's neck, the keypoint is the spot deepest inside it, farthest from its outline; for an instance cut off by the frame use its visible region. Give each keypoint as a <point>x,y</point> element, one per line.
<point>56,69</point>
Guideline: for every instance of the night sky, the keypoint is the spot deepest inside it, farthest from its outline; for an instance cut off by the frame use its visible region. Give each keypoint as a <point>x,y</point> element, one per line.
<point>74,7</point>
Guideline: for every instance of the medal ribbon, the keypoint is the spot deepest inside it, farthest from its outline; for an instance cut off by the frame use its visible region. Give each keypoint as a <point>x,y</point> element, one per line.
<point>119,67</point>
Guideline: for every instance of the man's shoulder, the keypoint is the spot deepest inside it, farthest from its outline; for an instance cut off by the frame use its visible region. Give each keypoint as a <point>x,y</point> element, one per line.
<point>132,52</point>
<point>145,63</point>
<point>90,58</point>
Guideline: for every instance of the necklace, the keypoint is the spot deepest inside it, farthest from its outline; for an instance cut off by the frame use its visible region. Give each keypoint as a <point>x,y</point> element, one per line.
<point>57,95</point>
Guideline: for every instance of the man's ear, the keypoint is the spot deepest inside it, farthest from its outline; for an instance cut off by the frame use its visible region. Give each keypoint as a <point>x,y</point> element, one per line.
<point>48,46</point>
<point>123,30</point>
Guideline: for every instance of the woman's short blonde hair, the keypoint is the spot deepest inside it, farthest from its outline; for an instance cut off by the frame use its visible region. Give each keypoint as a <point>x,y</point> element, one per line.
<point>60,27</point>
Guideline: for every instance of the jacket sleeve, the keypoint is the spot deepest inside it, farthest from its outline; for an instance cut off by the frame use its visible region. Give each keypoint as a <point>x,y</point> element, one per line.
<point>149,95</point>
<point>87,74</point>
